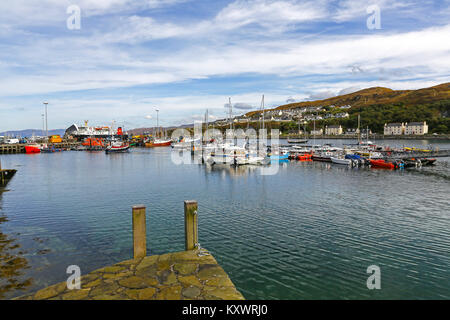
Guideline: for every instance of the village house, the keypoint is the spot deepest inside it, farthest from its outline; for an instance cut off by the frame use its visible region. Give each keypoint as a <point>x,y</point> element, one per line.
<point>317,132</point>
<point>333,130</point>
<point>342,115</point>
<point>416,128</point>
<point>351,131</point>
<point>394,129</point>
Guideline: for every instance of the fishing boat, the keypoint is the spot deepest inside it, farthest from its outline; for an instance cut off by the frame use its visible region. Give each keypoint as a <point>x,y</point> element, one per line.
<point>158,143</point>
<point>118,147</point>
<point>322,156</point>
<point>341,161</point>
<point>31,149</point>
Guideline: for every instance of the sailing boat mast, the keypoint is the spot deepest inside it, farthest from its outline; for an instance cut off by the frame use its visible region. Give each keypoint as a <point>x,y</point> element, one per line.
<point>157,123</point>
<point>359,130</point>
<point>231,113</point>
<point>263,111</point>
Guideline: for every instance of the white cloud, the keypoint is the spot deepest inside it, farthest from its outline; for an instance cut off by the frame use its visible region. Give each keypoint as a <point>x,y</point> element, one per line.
<point>245,37</point>
<point>48,12</point>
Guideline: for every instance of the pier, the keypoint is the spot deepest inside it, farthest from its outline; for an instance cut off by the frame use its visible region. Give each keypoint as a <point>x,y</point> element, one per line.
<point>6,175</point>
<point>193,274</point>
<point>416,154</point>
<point>20,148</point>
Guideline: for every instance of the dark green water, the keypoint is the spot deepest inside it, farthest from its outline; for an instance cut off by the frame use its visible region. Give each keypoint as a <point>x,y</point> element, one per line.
<point>308,232</point>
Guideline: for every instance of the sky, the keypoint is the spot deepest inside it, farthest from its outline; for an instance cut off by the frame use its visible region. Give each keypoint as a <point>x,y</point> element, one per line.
<point>121,60</point>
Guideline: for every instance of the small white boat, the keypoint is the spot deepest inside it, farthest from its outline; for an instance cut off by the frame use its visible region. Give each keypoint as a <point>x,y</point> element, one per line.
<point>341,161</point>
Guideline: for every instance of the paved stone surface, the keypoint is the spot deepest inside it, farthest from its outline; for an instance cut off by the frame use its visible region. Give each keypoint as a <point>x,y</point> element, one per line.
<point>172,276</point>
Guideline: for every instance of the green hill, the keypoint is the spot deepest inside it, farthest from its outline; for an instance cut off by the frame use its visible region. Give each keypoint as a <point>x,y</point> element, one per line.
<point>380,105</point>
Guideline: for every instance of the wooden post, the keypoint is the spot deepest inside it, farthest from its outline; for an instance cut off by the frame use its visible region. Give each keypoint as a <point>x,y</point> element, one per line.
<point>139,232</point>
<point>190,224</point>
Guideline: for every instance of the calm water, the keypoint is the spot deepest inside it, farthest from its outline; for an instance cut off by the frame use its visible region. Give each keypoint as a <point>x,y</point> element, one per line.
<point>309,232</point>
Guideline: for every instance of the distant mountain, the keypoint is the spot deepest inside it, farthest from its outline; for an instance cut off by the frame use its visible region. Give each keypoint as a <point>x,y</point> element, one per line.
<point>379,96</point>
<point>30,132</point>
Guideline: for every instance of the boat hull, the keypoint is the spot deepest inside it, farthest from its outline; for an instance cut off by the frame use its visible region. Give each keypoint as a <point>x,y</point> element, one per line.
<point>158,144</point>
<point>32,149</point>
<point>382,164</point>
<point>321,159</point>
<point>117,149</point>
<point>341,161</point>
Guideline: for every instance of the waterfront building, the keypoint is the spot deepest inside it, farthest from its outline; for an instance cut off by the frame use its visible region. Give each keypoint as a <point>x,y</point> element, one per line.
<point>333,130</point>
<point>342,115</point>
<point>317,132</point>
<point>416,128</point>
<point>351,131</point>
<point>394,129</point>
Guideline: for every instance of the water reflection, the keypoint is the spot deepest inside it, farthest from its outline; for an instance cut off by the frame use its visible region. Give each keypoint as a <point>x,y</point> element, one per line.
<point>12,262</point>
<point>232,171</point>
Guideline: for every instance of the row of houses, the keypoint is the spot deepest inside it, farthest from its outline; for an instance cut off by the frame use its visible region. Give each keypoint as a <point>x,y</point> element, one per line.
<point>412,128</point>
<point>390,129</point>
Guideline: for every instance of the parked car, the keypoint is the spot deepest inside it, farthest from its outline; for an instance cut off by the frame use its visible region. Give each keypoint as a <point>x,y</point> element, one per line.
<point>11,141</point>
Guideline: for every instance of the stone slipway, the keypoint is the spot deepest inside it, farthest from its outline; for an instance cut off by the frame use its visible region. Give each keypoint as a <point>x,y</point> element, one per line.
<point>173,276</point>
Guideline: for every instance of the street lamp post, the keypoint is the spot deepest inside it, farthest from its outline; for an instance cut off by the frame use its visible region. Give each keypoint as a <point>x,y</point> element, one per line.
<point>43,124</point>
<point>46,120</point>
<point>157,122</point>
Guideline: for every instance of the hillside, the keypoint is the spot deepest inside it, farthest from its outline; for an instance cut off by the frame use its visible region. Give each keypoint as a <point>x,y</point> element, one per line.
<point>378,96</point>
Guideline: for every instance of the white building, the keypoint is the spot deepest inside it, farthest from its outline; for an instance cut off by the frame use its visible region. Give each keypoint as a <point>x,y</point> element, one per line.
<point>333,130</point>
<point>416,128</point>
<point>394,129</point>
<point>317,132</point>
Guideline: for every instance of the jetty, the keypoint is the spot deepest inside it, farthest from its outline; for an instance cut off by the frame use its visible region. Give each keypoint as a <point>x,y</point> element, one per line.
<point>192,274</point>
<point>6,175</point>
<point>20,148</point>
<point>416,154</point>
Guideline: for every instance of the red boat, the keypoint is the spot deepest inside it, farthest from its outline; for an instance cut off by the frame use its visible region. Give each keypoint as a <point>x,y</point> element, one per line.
<point>381,164</point>
<point>158,143</point>
<point>32,149</point>
<point>304,157</point>
<point>118,147</point>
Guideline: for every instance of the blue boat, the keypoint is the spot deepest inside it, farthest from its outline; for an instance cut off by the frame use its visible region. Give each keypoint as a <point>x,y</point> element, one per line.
<point>277,157</point>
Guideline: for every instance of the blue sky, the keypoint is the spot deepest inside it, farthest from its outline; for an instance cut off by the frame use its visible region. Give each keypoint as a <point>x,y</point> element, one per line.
<point>185,56</point>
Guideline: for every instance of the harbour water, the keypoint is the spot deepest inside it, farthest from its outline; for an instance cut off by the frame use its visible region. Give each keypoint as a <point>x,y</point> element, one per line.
<point>308,232</point>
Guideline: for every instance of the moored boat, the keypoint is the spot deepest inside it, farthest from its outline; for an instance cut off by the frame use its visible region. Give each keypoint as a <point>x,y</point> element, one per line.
<point>31,149</point>
<point>158,143</point>
<point>427,161</point>
<point>341,161</point>
<point>385,164</point>
<point>118,147</point>
<point>300,141</point>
